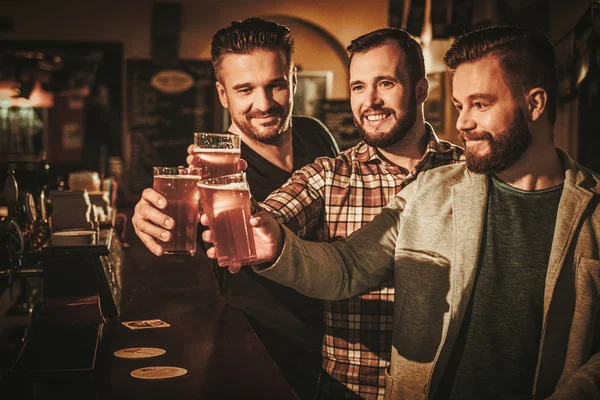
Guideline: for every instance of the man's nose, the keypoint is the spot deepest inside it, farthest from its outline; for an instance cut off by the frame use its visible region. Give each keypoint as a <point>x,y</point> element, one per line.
<point>263,99</point>
<point>465,122</point>
<point>372,98</point>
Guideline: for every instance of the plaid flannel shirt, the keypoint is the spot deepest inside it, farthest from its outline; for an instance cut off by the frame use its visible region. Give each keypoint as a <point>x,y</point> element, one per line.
<point>329,199</point>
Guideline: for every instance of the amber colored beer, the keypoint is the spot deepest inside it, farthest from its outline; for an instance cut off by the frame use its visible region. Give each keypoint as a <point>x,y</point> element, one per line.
<point>218,153</point>
<point>217,162</point>
<point>182,194</point>
<point>227,205</point>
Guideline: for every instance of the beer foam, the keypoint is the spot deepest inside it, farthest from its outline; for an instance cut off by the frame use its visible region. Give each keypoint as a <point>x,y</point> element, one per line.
<point>195,177</point>
<point>205,150</point>
<point>227,186</point>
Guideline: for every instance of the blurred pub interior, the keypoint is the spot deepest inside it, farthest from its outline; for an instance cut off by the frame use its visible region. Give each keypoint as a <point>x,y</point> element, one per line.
<point>76,79</point>
<point>117,87</point>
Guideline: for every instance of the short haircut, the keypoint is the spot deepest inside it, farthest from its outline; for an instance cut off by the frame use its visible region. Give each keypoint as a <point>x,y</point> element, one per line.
<point>410,48</point>
<point>527,57</point>
<point>248,36</point>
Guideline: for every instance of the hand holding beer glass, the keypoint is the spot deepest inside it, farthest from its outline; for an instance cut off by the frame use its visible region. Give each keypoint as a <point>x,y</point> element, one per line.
<point>226,202</point>
<point>212,154</point>
<point>179,186</point>
<point>218,153</point>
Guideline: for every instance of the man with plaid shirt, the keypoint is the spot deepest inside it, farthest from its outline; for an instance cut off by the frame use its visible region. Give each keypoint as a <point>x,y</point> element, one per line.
<point>333,197</point>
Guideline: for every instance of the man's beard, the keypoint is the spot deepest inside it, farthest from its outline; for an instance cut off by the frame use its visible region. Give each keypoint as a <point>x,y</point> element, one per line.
<point>505,148</point>
<point>397,132</point>
<point>273,133</point>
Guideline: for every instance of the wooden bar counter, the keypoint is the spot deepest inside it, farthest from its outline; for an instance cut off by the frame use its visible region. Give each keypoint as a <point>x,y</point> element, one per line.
<point>212,341</point>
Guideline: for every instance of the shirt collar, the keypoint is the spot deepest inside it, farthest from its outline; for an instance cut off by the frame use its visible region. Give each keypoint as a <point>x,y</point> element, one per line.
<point>365,153</point>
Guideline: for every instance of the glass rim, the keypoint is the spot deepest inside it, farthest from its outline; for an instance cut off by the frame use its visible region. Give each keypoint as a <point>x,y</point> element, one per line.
<point>222,134</point>
<point>209,140</point>
<point>164,170</point>
<point>238,177</point>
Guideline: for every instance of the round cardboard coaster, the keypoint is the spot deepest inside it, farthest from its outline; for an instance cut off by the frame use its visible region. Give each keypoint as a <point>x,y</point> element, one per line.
<point>157,373</point>
<point>139,352</point>
<point>73,238</point>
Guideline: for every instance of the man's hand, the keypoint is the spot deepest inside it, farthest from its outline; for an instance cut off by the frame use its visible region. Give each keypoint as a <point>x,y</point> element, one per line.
<point>194,161</point>
<point>149,223</point>
<point>268,238</point>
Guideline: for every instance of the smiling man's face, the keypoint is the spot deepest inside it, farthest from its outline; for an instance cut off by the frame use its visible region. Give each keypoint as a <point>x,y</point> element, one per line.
<point>492,123</point>
<point>382,96</point>
<point>258,90</point>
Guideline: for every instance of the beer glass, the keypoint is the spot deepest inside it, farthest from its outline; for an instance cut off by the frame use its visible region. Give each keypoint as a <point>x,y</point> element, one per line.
<point>218,153</point>
<point>226,202</point>
<point>179,186</point>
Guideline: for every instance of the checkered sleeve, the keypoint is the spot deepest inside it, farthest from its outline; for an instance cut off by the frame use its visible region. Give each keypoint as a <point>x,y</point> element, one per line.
<point>299,203</point>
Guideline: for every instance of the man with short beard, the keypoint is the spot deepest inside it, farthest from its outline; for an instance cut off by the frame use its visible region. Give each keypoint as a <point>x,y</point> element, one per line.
<point>332,197</point>
<point>496,262</point>
<point>505,147</point>
<point>256,81</point>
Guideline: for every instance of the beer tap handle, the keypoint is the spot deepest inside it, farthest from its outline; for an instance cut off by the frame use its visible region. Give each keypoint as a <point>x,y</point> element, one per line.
<point>30,209</point>
<point>11,191</point>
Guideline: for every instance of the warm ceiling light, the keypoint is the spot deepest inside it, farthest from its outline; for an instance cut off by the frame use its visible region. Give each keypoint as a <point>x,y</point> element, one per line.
<point>38,98</point>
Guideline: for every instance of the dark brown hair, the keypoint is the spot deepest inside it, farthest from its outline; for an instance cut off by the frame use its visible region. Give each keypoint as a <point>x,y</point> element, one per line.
<point>412,51</point>
<point>245,37</point>
<point>526,56</point>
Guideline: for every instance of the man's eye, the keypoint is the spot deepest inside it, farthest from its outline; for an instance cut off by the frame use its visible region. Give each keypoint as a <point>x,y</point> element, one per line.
<point>357,88</point>
<point>386,84</point>
<point>479,105</point>
<point>458,107</point>
<point>244,90</point>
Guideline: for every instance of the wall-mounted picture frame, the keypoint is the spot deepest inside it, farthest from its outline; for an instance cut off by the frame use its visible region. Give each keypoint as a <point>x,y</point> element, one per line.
<point>434,105</point>
<point>337,117</point>
<point>313,88</point>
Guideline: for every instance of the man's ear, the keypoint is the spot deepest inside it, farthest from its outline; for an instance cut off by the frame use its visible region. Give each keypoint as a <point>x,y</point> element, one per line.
<point>222,95</point>
<point>536,99</point>
<point>421,90</point>
<point>294,80</point>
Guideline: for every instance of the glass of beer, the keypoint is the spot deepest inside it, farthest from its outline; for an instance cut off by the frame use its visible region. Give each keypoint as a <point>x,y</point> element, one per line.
<point>226,202</point>
<point>179,186</point>
<point>218,153</point>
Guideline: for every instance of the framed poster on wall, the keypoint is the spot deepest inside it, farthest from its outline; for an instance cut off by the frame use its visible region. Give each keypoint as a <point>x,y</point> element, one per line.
<point>314,87</point>
<point>434,105</point>
<point>337,117</point>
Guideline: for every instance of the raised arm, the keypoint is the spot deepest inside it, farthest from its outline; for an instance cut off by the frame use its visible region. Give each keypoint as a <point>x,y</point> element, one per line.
<point>330,271</point>
<point>299,203</point>
<point>150,223</point>
<point>340,269</point>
